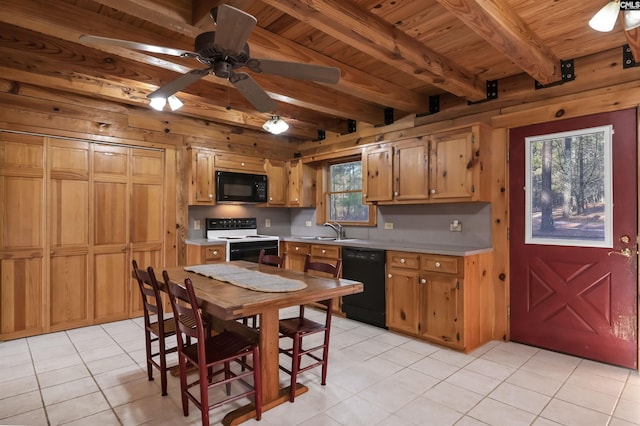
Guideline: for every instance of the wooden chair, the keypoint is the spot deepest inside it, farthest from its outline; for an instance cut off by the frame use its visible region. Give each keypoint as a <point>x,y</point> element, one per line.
<point>209,353</point>
<point>160,329</point>
<point>265,259</point>
<point>298,327</point>
<point>272,259</point>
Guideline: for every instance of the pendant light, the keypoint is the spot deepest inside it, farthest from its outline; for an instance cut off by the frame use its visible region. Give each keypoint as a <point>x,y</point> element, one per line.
<point>605,19</point>
<point>275,125</point>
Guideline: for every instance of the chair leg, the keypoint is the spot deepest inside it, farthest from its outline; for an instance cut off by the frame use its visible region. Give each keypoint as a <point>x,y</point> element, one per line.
<point>163,365</point>
<point>183,386</point>
<point>227,375</point>
<point>325,358</point>
<point>295,365</point>
<point>204,395</point>
<point>147,342</point>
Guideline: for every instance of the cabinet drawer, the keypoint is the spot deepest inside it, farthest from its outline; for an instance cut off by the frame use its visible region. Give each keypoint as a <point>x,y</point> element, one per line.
<point>238,163</point>
<point>297,248</point>
<point>443,264</point>
<point>320,250</point>
<point>214,254</point>
<point>399,259</point>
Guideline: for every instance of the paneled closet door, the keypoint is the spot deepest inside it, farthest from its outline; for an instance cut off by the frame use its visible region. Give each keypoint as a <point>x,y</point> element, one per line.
<point>69,244</point>
<point>110,206</point>
<point>22,240</point>
<point>146,217</point>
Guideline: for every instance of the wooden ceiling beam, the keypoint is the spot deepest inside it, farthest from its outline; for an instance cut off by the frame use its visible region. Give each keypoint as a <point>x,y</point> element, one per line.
<point>353,81</point>
<point>497,23</point>
<point>383,41</point>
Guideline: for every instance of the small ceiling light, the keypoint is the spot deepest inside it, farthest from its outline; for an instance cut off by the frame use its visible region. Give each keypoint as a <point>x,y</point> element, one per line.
<point>631,19</point>
<point>275,125</point>
<point>174,103</point>
<point>605,19</point>
<point>158,103</point>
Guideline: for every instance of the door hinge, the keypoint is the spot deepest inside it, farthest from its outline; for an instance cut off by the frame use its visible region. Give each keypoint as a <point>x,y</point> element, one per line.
<point>508,233</point>
<point>508,154</point>
<point>458,336</point>
<point>473,138</point>
<point>508,311</point>
<point>473,188</point>
<point>457,285</point>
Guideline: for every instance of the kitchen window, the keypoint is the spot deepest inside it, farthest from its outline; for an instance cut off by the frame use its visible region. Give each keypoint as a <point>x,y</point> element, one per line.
<point>344,195</point>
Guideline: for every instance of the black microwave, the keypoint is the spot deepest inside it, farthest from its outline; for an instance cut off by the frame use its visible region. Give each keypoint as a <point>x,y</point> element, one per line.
<point>241,187</point>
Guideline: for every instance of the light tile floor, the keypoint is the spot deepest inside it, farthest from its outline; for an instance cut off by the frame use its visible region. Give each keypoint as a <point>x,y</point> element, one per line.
<point>96,376</point>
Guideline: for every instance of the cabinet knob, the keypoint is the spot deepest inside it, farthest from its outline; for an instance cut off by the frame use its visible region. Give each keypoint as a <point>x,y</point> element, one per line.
<point>395,194</point>
<point>389,275</point>
<point>297,248</point>
<point>270,198</point>
<point>437,264</point>
<point>214,252</point>
<point>364,195</point>
<point>210,195</point>
<point>403,261</point>
<point>242,164</point>
<point>433,191</point>
<point>423,280</point>
<point>324,251</point>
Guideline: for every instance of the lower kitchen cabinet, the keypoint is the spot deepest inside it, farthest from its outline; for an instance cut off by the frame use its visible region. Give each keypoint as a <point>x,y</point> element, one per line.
<point>296,254</point>
<point>198,255</point>
<point>443,299</point>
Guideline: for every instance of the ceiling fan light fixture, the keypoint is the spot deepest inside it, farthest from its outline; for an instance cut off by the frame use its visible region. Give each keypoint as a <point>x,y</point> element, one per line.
<point>605,19</point>
<point>275,125</point>
<point>631,19</point>
<point>158,103</point>
<point>174,103</point>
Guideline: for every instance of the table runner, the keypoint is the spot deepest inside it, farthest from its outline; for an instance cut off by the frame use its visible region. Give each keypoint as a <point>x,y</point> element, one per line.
<point>246,278</point>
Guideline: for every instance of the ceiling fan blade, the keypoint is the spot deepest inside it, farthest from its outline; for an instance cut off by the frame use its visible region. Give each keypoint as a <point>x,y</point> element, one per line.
<point>233,27</point>
<point>296,70</point>
<point>179,83</point>
<point>253,92</point>
<point>136,46</point>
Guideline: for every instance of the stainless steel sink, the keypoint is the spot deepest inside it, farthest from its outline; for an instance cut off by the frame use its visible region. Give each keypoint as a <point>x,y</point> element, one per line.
<point>317,238</point>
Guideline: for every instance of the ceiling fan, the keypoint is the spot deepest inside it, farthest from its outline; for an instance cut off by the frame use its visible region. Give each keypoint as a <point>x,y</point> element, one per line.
<point>224,51</point>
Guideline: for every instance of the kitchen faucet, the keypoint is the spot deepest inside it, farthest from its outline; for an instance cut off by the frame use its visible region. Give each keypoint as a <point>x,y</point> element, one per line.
<point>336,227</point>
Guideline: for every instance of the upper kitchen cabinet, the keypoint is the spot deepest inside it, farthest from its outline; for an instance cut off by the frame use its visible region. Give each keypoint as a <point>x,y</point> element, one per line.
<point>377,174</point>
<point>301,184</point>
<point>410,171</point>
<point>459,165</point>
<point>239,163</point>
<point>201,187</point>
<point>277,183</point>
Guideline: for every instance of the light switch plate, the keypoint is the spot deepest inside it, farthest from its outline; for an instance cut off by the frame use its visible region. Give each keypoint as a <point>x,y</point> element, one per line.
<point>267,223</point>
<point>308,223</point>
<point>196,225</point>
<point>388,225</point>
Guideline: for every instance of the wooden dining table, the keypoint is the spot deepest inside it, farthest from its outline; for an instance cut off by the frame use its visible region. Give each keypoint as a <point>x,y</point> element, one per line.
<point>226,302</point>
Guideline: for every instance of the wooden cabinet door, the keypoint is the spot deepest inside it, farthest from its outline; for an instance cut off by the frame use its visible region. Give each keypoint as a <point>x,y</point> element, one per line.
<point>296,255</point>
<point>70,282</point>
<point>403,300</point>
<point>452,163</point>
<point>377,174</point>
<point>294,190</point>
<point>22,235</point>
<point>202,185</point>
<point>146,219</point>
<point>111,232</point>
<point>411,171</point>
<point>441,316</point>
<point>277,182</point>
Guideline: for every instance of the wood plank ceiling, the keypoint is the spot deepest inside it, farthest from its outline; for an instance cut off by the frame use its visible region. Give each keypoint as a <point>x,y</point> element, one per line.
<point>395,56</point>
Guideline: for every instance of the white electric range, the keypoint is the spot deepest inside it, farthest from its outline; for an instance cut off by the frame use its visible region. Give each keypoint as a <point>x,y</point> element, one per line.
<point>241,237</point>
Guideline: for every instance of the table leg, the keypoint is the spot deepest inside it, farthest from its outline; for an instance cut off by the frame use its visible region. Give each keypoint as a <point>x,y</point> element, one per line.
<point>272,394</point>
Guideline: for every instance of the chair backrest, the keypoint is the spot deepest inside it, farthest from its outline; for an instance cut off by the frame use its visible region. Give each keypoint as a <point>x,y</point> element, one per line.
<point>186,313</point>
<point>149,290</point>
<point>326,268</point>
<point>272,259</point>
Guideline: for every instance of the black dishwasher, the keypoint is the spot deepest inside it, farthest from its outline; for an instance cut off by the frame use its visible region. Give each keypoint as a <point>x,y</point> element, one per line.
<point>367,266</point>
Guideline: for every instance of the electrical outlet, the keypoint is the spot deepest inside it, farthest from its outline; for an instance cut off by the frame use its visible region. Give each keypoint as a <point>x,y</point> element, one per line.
<point>308,223</point>
<point>196,225</point>
<point>267,223</point>
<point>388,225</point>
<point>455,226</point>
